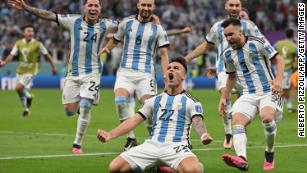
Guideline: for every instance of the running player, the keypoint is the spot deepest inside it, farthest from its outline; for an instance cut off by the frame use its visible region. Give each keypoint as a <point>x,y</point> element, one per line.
<point>28,51</point>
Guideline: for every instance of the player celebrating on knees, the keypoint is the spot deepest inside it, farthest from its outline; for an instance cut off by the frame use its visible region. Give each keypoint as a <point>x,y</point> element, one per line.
<point>173,112</point>
<point>82,83</point>
<point>249,58</point>
<point>216,38</point>
<point>27,50</point>
<point>136,74</point>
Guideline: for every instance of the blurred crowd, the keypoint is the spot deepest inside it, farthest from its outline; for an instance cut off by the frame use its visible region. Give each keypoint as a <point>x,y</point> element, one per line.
<point>268,15</point>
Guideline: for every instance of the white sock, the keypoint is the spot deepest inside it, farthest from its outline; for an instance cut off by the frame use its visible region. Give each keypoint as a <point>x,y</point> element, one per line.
<point>130,109</point>
<point>289,103</point>
<point>82,123</point>
<point>239,140</point>
<point>270,130</point>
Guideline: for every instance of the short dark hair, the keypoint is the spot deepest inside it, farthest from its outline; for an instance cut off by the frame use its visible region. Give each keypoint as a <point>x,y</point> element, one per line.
<point>27,26</point>
<point>100,2</point>
<point>231,21</point>
<point>181,61</point>
<point>289,33</point>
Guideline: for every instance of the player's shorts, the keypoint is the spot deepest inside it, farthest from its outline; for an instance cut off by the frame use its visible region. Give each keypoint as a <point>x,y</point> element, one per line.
<point>286,82</point>
<point>77,87</point>
<point>221,80</point>
<point>251,104</point>
<point>136,82</point>
<point>25,80</point>
<point>148,153</point>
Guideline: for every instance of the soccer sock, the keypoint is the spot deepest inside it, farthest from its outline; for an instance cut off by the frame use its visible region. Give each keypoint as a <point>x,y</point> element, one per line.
<point>289,103</point>
<point>239,140</point>
<point>270,133</point>
<point>227,118</point>
<point>83,120</point>
<point>27,93</point>
<point>130,110</point>
<point>23,99</point>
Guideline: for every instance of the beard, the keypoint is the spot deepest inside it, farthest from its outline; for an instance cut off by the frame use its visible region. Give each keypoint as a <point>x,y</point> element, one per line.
<point>145,14</point>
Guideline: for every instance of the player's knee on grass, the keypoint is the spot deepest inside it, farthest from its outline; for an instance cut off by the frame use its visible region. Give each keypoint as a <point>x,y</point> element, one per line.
<point>123,110</point>
<point>86,104</point>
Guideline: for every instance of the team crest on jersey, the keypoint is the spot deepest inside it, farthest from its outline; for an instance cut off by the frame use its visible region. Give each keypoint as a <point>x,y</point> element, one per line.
<point>198,109</point>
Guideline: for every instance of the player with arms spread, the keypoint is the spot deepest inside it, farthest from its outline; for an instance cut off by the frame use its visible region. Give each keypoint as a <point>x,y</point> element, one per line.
<point>27,50</point>
<point>87,36</point>
<point>173,113</point>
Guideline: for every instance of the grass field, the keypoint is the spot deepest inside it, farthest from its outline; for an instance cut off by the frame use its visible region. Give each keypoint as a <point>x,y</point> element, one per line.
<point>42,142</point>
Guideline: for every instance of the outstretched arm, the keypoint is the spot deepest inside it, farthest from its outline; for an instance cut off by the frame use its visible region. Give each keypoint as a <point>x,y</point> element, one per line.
<point>121,129</point>
<point>178,31</point>
<point>8,59</point>
<point>201,49</point>
<point>201,130</point>
<point>21,5</point>
<point>164,59</point>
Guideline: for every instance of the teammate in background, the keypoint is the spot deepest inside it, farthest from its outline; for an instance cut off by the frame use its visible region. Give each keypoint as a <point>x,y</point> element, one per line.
<point>216,38</point>
<point>28,52</point>
<point>82,83</point>
<point>173,112</point>
<point>136,74</point>
<point>244,14</point>
<point>287,49</point>
<point>249,60</point>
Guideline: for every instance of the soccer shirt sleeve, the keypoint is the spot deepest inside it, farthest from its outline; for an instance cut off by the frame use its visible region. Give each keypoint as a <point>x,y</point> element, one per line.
<point>14,51</point>
<point>146,110</point>
<point>196,109</point>
<point>119,35</point>
<point>267,50</point>
<point>253,30</point>
<point>229,65</point>
<point>43,49</point>
<point>162,37</point>
<point>66,20</point>
<point>212,36</point>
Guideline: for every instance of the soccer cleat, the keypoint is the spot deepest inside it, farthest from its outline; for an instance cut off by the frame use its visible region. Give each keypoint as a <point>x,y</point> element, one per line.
<point>267,166</point>
<point>166,169</point>
<point>131,142</point>
<point>29,102</point>
<point>228,141</point>
<point>76,149</point>
<point>25,113</point>
<point>235,161</point>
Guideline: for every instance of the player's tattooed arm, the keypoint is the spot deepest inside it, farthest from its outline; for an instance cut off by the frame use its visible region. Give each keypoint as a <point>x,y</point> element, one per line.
<point>199,125</point>
<point>44,14</point>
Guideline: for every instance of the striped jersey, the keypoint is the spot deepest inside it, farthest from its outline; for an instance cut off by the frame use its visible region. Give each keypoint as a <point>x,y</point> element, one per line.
<point>172,116</point>
<point>252,65</point>
<point>28,55</point>
<point>287,49</point>
<point>216,37</point>
<point>86,41</point>
<point>140,43</point>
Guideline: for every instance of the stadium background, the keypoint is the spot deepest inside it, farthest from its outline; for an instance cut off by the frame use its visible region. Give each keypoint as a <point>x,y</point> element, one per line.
<point>41,143</point>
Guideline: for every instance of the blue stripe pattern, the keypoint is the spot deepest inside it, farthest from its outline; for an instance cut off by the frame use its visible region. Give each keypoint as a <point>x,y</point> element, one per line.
<point>164,124</point>
<point>127,40</point>
<point>155,114</point>
<point>259,68</point>
<point>180,121</point>
<point>238,130</point>
<point>137,46</point>
<point>102,34</point>
<point>77,28</point>
<point>89,49</point>
<point>243,23</point>
<point>220,67</point>
<point>246,73</point>
<point>149,51</point>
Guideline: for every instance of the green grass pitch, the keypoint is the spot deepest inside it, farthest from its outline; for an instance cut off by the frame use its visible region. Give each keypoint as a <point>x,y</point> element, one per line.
<point>42,142</point>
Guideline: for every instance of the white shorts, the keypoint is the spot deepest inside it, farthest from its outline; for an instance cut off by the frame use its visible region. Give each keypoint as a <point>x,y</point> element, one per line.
<point>151,152</point>
<point>251,104</point>
<point>136,82</point>
<point>286,81</point>
<point>221,80</point>
<point>25,80</point>
<point>77,87</point>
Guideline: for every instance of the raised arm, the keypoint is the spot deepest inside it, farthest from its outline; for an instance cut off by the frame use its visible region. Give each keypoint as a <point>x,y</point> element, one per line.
<point>201,130</point>
<point>121,129</point>
<point>178,31</point>
<point>201,49</point>
<point>164,59</point>
<point>21,5</point>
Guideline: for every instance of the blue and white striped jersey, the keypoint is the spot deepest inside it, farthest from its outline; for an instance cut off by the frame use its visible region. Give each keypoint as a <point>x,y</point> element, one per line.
<point>216,37</point>
<point>252,65</point>
<point>86,41</point>
<point>172,116</point>
<point>141,41</point>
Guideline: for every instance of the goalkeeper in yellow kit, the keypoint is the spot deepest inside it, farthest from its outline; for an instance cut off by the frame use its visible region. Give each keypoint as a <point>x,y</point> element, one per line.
<point>27,50</point>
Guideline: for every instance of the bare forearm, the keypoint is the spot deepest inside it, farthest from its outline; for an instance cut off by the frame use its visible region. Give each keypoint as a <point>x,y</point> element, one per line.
<point>201,49</point>
<point>199,125</point>
<point>164,60</point>
<point>44,14</point>
<point>231,82</point>
<point>49,59</point>
<point>8,59</point>
<point>280,66</point>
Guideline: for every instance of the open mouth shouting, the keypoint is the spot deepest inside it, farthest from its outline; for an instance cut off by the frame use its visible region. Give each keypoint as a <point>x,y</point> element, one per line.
<point>170,76</point>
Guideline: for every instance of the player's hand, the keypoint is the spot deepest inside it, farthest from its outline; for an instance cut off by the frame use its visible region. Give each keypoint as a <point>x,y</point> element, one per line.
<point>54,70</point>
<point>17,4</point>
<point>211,72</point>
<point>222,106</point>
<point>186,29</point>
<point>206,138</point>
<point>155,19</point>
<point>104,50</point>
<point>103,136</point>
<point>2,63</point>
<point>276,86</point>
